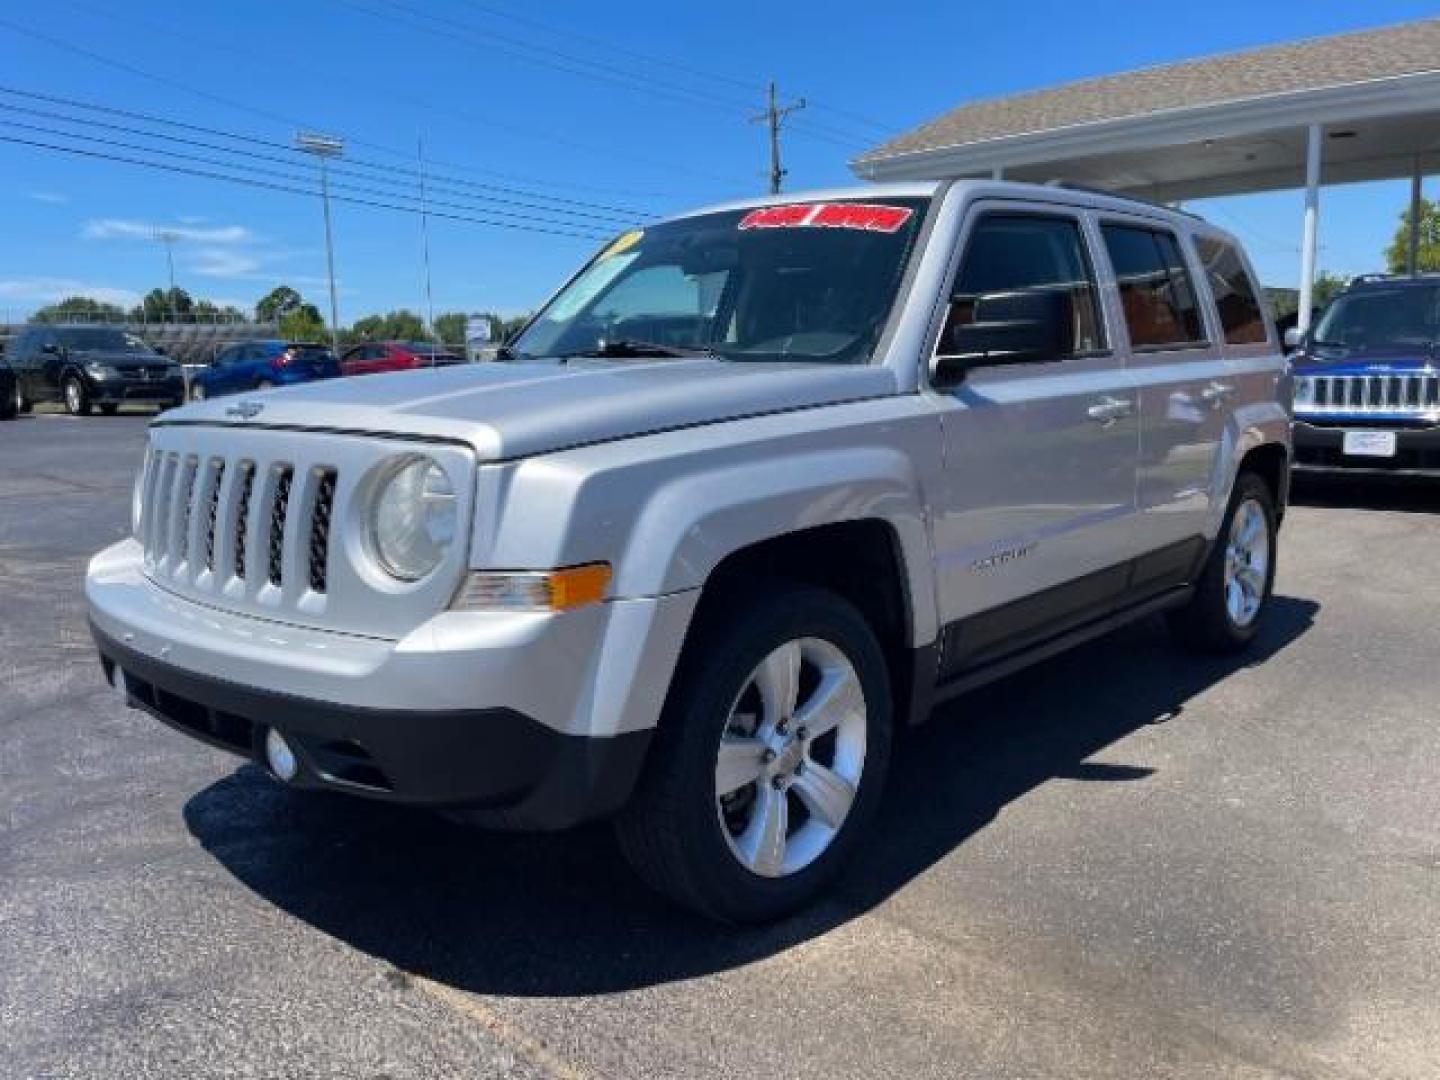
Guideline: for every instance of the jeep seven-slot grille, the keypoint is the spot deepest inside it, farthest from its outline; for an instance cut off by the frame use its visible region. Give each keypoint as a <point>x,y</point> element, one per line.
<point>1401,393</point>
<point>200,515</point>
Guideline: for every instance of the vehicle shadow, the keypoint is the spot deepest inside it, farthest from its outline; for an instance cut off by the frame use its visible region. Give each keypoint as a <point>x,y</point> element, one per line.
<point>1414,495</point>
<point>561,915</point>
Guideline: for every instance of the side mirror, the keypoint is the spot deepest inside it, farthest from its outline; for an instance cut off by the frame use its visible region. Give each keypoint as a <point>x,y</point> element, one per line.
<point>1035,326</point>
<point>1294,338</point>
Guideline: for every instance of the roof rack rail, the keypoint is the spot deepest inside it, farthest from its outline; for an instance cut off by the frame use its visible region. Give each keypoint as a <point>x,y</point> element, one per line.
<point>1090,190</point>
<point>1366,279</point>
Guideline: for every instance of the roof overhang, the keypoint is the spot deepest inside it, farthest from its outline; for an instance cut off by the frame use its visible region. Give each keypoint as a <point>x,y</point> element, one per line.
<point>1234,147</point>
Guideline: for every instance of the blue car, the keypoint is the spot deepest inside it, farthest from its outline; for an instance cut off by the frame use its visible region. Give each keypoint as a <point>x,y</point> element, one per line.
<point>1367,385</point>
<point>259,365</point>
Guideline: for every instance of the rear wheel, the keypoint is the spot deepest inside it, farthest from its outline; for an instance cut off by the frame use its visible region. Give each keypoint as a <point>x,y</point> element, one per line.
<point>1234,588</point>
<point>770,758</point>
<point>21,404</point>
<point>77,398</point>
<point>264,384</point>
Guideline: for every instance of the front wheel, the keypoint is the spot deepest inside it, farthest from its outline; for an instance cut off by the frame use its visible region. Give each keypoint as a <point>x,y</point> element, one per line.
<point>77,398</point>
<point>769,760</point>
<point>1235,585</point>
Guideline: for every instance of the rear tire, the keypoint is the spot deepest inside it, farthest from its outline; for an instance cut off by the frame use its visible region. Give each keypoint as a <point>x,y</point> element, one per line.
<point>1235,585</point>
<point>264,384</point>
<point>77,398</point>
<point>791,681</point>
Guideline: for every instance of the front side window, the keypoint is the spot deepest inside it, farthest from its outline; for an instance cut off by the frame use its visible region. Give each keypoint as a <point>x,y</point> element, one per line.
<point>810,282</point>
<point>1024,279</point>
<point>1399,317</point>
<point>1155,288</point>
<point>98,339</point>
<point>1236,300</point>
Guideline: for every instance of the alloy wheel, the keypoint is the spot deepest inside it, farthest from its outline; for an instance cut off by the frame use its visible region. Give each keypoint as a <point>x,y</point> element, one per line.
<point>790,759</point>
<point>1247,563</point>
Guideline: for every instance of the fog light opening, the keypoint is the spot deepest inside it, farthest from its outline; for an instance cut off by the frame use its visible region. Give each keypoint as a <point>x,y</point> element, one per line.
<point>280,757</point>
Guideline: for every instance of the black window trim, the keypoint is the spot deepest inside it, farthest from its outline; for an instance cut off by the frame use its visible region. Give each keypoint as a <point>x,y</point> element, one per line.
<point>1151,225</point>
<point>1071,215</point>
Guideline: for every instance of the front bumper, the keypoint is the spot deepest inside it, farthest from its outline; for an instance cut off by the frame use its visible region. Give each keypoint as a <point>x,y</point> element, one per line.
<point>121,390</point>
<point>542,720</point>
<point>1321,449</point>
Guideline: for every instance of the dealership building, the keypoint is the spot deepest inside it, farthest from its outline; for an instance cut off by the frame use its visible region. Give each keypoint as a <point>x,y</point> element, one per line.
<point>1335,110</point>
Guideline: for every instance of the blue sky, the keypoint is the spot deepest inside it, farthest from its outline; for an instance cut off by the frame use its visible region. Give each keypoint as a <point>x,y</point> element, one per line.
<point>496,92</point>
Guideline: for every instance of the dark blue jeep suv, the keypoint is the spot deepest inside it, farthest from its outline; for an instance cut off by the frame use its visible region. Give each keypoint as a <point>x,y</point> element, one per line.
<point>1367,383</point>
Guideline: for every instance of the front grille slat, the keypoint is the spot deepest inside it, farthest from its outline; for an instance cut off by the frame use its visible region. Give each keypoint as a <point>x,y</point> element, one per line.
<point>242,515</point>
<point>319,549</point>
<point>279,511</point>
<point>212,510</point>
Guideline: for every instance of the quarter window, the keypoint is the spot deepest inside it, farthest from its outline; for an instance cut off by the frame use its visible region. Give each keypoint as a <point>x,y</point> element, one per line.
<point>1026,266</point>
<point>1156,292</point>
<point>1236,299</point>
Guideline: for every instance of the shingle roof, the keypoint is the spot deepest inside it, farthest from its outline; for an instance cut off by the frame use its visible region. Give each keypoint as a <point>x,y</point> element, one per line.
<point>1343,59</point>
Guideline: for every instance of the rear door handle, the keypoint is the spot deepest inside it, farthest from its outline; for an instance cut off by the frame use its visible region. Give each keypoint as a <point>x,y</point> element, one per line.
<point>1108,410</point>
<point>1217,393</point>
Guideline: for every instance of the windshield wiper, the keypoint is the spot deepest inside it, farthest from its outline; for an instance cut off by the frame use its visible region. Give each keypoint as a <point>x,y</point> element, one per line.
<point>629,348</point>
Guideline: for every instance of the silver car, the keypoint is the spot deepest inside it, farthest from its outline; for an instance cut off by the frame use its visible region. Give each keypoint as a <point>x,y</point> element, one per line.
<point>759,485</point>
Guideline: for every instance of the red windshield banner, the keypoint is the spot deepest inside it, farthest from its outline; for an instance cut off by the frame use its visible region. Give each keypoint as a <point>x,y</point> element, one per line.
<point>866,217</point>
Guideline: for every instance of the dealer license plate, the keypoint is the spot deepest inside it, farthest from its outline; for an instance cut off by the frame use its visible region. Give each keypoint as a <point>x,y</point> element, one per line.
<point>1370,443</point>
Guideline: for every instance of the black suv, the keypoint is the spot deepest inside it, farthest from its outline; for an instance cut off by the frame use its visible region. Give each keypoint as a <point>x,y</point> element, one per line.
<point>89,366</point>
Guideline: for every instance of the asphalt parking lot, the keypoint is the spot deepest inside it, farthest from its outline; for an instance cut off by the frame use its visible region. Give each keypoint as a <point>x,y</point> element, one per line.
<point>1125,863</point>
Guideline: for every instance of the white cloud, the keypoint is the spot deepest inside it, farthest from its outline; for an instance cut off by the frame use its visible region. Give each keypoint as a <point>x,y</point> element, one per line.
<point>121,229</point>
<point>42,290</point>
<point>224,263</point>
<point>53,197</point>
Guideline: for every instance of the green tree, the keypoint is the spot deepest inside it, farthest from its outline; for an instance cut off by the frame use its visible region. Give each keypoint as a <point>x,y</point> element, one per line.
<point>1326,286</point>
<point>402,325</point>
<point>1397,255</point>
<point>281,301</point>
<point>79,309</point>
<point>163,305</point>
<point>303,323</point>
<point>450,327</point>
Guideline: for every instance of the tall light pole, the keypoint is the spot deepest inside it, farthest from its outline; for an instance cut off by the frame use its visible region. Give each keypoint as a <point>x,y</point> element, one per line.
<point>169,237</point>
<point>326,147</point>
<point>425,235</point>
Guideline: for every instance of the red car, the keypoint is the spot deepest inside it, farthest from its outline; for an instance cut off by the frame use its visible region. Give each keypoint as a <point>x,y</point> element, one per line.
<point>377,356</point>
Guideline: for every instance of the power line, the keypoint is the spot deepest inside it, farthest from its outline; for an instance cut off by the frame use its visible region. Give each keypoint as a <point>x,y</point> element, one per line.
<point>289,122</point>
<point>269,186</point>
<point>292,177</point>
<point>746,84</point>
<point>626,213</point>
<point>490,42</point>
<point>481,203</point>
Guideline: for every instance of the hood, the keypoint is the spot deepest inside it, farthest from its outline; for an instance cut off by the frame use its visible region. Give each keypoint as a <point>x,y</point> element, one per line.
<point>512,410</point>
<point>1345,360</point>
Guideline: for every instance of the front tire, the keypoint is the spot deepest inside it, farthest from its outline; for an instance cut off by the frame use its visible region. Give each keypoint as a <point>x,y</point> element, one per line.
<point>1235,585</point>
<point>77,398</point>
<point>770,757</point>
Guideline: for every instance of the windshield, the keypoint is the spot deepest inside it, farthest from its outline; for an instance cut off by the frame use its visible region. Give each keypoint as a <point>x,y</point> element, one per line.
<point>1405,316</point>
<point>799,281</point>
<point>97,339</point>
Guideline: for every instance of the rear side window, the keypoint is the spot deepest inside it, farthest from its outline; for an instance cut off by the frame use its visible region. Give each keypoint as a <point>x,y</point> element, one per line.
<point>1013,265</point>
<point>1155,288</point>
<point>1236,299</point>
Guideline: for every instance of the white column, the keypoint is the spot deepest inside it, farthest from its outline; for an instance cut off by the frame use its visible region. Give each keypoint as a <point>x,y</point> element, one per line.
<point>1412,251</point>
<point>1312,222</point>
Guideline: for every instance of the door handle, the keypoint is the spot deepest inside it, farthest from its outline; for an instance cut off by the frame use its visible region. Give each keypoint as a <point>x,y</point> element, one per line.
<point>1217,393</point>
<point>1108,410</point>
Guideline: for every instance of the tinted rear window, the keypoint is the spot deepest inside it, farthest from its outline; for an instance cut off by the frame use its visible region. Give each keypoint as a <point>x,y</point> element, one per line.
<point>1155,288</point>
<point>1236,299</point>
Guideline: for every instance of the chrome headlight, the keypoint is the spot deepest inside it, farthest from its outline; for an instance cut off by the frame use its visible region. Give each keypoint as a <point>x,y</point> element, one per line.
<point>1304,390</point>
<point>413,518</point>
<point>101,371</point>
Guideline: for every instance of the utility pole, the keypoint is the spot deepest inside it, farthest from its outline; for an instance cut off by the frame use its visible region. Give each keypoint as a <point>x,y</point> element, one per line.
<point>425,236</point>
<point>773,117</point>
<point>326,147</point>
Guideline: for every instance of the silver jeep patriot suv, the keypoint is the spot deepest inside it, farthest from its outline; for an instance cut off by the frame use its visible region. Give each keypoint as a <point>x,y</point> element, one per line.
<point>759,485</point>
